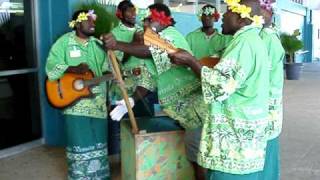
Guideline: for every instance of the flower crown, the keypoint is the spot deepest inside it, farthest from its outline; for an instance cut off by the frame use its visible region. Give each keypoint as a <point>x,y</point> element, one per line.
<point>157,16</point>
<point>209,11</point>
<point>83,17</point>
<point>244,11</point>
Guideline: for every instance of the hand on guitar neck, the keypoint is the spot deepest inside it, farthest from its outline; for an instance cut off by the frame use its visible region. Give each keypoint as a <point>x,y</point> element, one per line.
<point>80,69</point>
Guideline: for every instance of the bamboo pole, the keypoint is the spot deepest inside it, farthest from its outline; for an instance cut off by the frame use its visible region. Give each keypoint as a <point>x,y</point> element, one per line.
<point>125,96</point>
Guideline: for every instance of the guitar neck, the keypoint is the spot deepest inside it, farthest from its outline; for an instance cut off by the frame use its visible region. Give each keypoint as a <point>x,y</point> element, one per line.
<point>97,80</point>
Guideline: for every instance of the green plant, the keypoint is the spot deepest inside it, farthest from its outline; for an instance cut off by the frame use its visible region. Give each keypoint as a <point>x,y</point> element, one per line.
<point>106,19</point>
<point>291,45</point>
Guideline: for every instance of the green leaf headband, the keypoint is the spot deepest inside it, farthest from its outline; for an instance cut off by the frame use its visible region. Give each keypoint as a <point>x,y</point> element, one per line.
<point>209,11</point>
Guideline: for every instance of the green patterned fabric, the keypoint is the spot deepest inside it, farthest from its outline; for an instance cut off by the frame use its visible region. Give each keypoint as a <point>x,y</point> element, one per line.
<point>123,33</point>
<point>218,175</point>
<point>86,150</point>
<point>67,51</point>
<point>203,45</point>
<point>271,170</point>
<point>276,54</point>
<point>179,90</point>
<point>233,138</point>
<point>147,70</point>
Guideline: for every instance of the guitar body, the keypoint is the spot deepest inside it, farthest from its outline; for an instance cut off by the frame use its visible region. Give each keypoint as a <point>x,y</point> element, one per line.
<point>68,89</point>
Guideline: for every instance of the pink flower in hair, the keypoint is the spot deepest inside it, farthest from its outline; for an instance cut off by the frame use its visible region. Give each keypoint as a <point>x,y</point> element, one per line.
<point>266,4</point>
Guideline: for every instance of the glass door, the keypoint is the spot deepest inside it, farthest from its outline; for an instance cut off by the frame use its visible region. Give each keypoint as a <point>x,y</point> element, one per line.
<point>19,90</point>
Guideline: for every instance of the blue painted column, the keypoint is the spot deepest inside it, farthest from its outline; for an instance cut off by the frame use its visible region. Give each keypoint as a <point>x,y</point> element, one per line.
<point>308,33</point>
<point>52,18</point>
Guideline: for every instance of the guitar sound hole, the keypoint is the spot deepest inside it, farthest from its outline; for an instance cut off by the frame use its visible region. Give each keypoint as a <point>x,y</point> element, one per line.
<point>78,84</point>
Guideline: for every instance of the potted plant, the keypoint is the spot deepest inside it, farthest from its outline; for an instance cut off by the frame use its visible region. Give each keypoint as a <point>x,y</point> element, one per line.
<point>291,45</point>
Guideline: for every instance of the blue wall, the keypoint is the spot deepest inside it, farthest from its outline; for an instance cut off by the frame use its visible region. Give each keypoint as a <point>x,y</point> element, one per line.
<point>308,33</point>
<point>186,22</point>
<point>53,18</point>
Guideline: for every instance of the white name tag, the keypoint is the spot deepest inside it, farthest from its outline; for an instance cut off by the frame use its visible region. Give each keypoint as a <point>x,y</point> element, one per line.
<point>75,53</point>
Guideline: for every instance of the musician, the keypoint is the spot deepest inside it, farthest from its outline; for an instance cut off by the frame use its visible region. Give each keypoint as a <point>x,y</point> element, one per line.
<point>276,53</point>
<point>85,120</point>
<point>206,40</point>
<point>233,141</point>
<point>139,74</point>
<point>178,88</point>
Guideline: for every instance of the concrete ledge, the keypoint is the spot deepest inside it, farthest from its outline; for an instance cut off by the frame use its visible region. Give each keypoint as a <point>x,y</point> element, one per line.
<point>20,148</point>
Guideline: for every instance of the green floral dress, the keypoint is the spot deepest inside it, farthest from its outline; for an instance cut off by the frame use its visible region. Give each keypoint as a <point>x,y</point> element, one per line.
<point>136,71</point>
<point>85,121</point>
<point>276,54</point>
<point>67,51</point>
<point>203,45</point>
<point>233,138</point>
<point>179,88</point>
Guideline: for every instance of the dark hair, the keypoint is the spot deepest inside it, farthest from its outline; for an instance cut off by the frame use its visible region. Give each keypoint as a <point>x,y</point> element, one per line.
<point>254,5</point>
<point>76,14</point>
<point>162,7</point>
<point>124,5</point>
<point>208,6</point>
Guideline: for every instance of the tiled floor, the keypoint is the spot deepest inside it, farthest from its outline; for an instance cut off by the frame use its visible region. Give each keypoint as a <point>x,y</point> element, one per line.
<point>43,163</point>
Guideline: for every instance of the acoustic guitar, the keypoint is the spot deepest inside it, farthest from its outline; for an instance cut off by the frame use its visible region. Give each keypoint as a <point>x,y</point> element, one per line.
<point>151,38</point>
<point>71,87</point>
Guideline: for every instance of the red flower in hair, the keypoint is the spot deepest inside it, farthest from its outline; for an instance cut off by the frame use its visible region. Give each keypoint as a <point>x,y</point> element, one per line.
<point>119,14</point>
<point>160,17</point>
<point>216,15</point>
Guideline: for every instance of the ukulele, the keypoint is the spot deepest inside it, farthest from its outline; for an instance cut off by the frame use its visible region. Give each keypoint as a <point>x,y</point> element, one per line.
<point>71,87</point>
<point>151,38</point>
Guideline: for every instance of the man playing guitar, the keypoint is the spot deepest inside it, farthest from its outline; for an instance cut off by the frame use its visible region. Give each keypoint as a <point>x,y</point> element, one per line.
<point>78,52</point>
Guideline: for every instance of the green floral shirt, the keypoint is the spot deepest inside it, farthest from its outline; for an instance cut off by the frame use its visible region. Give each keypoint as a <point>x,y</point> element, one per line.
<point>276,54</point>
<point>123,33</point>
<point>179,88</point>
<point>145,77</point>
<point>233,137</point>
<point>67,51</point>
<point>203,45</point>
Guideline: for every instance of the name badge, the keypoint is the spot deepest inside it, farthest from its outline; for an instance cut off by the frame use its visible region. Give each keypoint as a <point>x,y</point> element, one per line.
<point>75,53</point>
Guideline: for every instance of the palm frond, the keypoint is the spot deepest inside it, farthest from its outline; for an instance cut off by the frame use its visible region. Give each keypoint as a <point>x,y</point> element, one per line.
<point>106,19</point>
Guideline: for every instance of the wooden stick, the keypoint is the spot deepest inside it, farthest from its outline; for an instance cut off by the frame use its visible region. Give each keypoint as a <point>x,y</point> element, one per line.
<point>125,96</point>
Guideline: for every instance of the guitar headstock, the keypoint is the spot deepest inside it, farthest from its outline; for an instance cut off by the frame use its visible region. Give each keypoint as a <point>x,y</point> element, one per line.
<point>151,38</point>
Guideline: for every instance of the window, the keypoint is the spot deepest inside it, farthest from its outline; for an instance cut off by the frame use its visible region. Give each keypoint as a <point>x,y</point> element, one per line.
<point>19,98</point>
